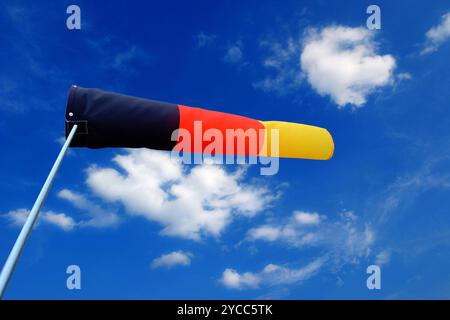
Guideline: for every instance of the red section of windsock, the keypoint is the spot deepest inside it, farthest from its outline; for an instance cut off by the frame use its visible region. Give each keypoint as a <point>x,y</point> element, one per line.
<point>212,132</point>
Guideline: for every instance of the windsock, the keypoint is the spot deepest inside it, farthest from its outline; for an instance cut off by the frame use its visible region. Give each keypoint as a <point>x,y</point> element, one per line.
<point>111,120</point>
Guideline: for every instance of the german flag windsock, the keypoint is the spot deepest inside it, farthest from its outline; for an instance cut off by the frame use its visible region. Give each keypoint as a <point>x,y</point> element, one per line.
<point>107,119</point>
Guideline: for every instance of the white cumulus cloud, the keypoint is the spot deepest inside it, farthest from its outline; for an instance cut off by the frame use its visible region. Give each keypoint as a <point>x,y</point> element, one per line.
<point>172,259</point>
<point>343,63</point>
<point>187,203</point>
<point>437,35</point>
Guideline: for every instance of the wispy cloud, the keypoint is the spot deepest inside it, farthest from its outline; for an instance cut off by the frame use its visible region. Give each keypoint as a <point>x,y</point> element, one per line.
<point>404,190</point>
<point>282,64</point>
<point>118,54</point>
<point>343,63</point>
<point>271,275</point>
<point>234,53</point>
<point>121,59</point>
<point>437,35</point>
<point>60,220</point>
<point>383,258</point>
<point>16,13</point>
<point>404,76</point>
<point>234,280</point>
<point>99,217</point>
<point>307,218</point>
<point>203,40</point>
<point>169,260</point>
<point>341,242</point>
<point>345,240</point>
<point>27,73</point>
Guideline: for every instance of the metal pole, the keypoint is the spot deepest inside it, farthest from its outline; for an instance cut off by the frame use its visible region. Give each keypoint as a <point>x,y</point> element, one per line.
<point>14,255</point>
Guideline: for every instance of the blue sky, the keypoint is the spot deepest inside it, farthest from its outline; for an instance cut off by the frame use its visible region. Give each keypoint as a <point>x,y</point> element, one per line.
<point>308,232</point>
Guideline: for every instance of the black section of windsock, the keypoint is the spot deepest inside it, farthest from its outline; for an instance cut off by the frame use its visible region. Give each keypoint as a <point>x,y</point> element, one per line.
<point>110,120</point>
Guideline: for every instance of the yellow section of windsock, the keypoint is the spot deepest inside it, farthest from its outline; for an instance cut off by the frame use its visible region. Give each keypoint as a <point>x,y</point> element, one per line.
<point>296,141</point>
